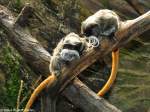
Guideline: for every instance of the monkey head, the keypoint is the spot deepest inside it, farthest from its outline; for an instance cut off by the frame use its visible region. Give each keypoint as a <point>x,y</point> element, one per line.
<point>72,47</point>
<point>103,23</point>
<point>68,49</point>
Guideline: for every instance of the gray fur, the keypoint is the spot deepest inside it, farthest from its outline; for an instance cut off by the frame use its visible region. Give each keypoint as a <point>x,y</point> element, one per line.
<point>69,55</point>
<point>62,56</point>
<point>103,23</point>
<point>94,41</point>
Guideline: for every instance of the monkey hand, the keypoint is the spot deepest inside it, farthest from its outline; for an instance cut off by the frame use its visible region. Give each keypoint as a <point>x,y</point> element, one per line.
<point>94,41</point>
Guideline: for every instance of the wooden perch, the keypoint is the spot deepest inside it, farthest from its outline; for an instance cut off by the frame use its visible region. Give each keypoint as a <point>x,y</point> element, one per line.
<point>22,18</point>
<point>87,100</point>
<point>38,59</point>
<point>32,51</point>
<point>141,6</point>
<point>129,30</point>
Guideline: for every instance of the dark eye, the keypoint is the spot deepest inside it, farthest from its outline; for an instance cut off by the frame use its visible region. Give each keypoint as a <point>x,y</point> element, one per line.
<point>92,30</point>
<point>67,46</point>
<point>109,30</point>
<point>95,31</point>
<point>88,32</point>
<point>78,46</point>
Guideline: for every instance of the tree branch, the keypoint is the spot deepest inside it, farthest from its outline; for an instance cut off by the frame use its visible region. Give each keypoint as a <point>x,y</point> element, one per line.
<point>129,30</point>
<point>87,100</point>
<point>38,59</point>
<point>22,18</point>
<point>31,50</point>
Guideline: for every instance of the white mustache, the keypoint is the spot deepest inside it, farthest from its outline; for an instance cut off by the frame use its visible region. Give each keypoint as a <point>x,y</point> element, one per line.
<point>69,55</point>
<point>94,41</point>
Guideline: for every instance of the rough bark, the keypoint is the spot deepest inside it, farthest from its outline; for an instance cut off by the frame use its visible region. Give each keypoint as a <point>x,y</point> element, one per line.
<point>123,7</point>
<point>32,51</point>
<point>92,5</point>
<point>141,6</point>
<point>86,99</point>
<point>38,59</point>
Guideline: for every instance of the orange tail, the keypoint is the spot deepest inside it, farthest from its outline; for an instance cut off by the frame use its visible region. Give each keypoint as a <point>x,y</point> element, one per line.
<point>115,61</point>
<point>36,92</point>
<point>51,78</point>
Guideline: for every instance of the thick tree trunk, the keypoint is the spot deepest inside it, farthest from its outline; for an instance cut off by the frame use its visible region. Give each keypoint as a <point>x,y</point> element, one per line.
<point>86,99</point>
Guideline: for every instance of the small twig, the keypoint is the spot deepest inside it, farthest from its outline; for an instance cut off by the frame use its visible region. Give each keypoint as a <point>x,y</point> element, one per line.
<point>19,95</point>
<point>8,4</point>
<point>36,82</point>
<point>30,91</point>
<point>38,17</point>
<point>42,107</point>
<point>22,18</point>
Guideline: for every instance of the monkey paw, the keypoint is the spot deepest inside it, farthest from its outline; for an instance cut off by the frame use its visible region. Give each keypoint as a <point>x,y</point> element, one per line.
<point>94,41</point>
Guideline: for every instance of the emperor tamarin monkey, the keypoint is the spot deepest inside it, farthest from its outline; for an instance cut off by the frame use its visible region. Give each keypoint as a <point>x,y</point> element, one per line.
<point>103,24</point>
<point>68,49</point>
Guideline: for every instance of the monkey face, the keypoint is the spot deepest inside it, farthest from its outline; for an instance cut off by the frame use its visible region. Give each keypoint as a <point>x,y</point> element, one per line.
<point>103,23</point>
<point>69,55</point>
<point>90,29</point>
<point>68,49</point>
<point>72,47</point>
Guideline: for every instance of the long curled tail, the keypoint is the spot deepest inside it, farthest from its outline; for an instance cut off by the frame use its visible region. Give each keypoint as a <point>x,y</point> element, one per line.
<point>115,61</point>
